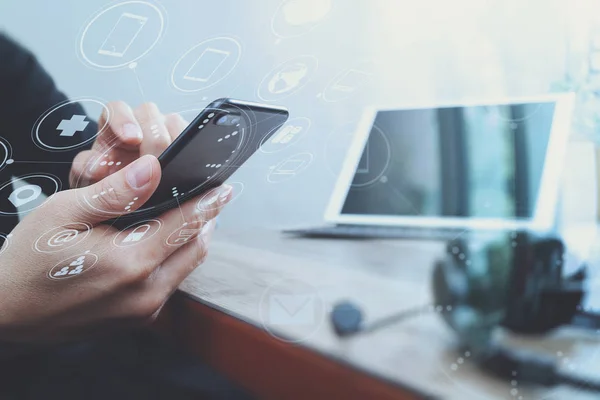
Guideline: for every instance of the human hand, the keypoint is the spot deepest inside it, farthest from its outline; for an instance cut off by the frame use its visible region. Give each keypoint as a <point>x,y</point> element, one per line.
<point>65,275</point>
<point>129,135</point>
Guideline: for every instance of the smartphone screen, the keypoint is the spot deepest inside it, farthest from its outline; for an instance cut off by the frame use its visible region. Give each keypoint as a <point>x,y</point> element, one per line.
<point>122,35</point>
<point>210,150</point>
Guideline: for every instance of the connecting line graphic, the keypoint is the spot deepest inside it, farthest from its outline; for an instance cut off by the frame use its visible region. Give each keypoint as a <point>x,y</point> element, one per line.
<point>139,83</point>
<point>180,210</point>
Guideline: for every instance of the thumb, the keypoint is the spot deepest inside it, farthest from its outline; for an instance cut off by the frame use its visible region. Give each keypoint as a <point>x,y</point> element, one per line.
<point>120,193</point>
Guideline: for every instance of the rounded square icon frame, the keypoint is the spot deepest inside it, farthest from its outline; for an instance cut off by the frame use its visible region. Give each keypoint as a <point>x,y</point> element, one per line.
<point>155,5</point>
<point>36,126</point>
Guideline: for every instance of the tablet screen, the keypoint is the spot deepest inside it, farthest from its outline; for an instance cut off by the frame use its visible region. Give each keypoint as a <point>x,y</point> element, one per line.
<point>469,161</point>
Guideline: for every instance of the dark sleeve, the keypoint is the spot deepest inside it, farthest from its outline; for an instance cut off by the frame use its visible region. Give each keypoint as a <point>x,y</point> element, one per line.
<point>26,93</point>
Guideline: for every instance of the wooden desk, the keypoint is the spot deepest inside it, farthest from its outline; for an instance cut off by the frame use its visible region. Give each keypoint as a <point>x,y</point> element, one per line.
<point>222,314</point>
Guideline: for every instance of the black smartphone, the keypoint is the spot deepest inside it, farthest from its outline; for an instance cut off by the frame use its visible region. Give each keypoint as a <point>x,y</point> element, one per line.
<point>213,146</point>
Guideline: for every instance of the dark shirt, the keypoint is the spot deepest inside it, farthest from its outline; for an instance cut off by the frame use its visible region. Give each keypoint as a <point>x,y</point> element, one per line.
<point>26,93</point>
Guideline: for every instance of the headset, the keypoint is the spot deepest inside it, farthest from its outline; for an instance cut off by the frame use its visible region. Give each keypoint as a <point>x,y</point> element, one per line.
<point>515,281</point>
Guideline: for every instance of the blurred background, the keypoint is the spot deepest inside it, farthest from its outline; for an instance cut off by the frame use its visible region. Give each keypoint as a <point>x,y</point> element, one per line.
<point>423,52</point>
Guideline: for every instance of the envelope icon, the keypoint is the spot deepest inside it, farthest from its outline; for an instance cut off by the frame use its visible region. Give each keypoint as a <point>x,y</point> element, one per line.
<point>292,309</point>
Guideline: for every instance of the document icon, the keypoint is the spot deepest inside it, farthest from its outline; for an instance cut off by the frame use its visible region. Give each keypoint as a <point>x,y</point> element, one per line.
<point>206,65</point>
<point>122,35</point>
<point>291,309</point>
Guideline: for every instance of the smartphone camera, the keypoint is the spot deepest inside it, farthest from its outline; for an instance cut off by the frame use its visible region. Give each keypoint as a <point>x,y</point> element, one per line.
<point>228,120</point>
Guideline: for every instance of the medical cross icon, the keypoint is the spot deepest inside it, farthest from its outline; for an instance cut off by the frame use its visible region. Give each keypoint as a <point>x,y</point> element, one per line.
<point>77,123</point>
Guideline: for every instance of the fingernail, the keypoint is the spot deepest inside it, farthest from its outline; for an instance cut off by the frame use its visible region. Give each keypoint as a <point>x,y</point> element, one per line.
<point>224,193</point>
<point>132,131</point>
<point>140,172</point>
<point>212,200</point>
<point>207,227</point>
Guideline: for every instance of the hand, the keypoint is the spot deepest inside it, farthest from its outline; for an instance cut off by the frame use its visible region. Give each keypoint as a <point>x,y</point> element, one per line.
<point>129,135</point>
<point>62,294</point>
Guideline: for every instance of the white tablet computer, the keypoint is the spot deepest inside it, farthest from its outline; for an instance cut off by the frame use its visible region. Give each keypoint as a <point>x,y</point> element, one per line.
<point>484,165</point>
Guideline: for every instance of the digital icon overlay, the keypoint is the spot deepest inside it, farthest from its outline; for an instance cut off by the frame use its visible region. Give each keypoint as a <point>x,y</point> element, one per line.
<point>349,82</point>
<point>289,134</point>
<point>73,266</point>
<point>374,160</point>
<point>62,237</point>
<point>26,193</point>
<point>298,17</point>
<point>206,64</point>
<point>186,233</point>
<point>69,127</point>
<point>137,233</point>
<point>287,78</point>
<point>4,243</point>
<point>292,306</point>
<point>53,132</point>
<point>5,153</point>
<point>289,167</point>
<point>121,34</point>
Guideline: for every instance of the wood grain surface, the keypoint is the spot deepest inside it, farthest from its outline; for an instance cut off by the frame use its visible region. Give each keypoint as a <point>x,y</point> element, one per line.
<point>226,312</point>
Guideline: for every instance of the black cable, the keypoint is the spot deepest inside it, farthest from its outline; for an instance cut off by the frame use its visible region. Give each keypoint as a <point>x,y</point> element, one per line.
<point>531,368</point>
<point>401,316</point>
<point>578,382</point>
<point>347,318</point>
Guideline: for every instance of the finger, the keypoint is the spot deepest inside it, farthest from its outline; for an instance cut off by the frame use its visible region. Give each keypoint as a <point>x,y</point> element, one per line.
<point>156,136</point>
<point>82,174</point>
<point>91,166</point>
<point>175,124</point>
<point>123,127</point>
<point>179,226</point>
<point>184,261</point>
<point>115,195</point>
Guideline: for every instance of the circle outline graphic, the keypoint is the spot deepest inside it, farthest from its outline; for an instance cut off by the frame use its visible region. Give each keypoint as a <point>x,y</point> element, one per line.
<point>82,53</point>
<point>270,75</point>
<point>36,127</point>
<point>192,237</point>
<point>132,225</point>
<point>60,248</point>
<point>71,258</point>
<point>56,181</point>
<point>267,138</point>
<point>312,159</point>
<point>7,150</point>
<point>6,243</point>
<point>237,195</point>
<point>387,162</point>
<point>269,329</point>
<point>313,26</point>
